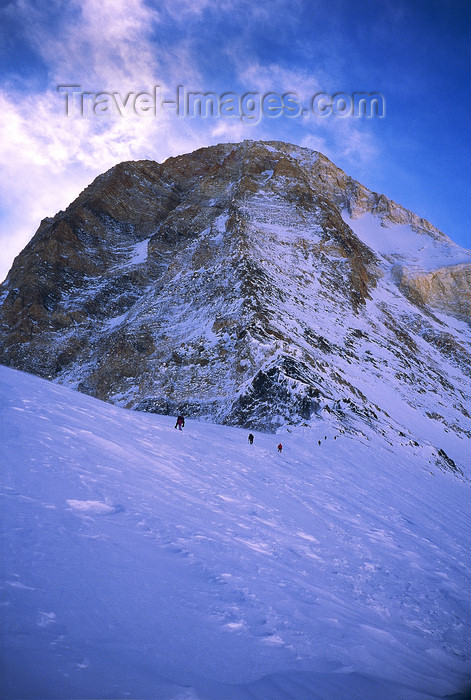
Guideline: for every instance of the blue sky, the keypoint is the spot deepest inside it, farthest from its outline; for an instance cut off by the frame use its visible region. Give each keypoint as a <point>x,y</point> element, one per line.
<point>415,53</point>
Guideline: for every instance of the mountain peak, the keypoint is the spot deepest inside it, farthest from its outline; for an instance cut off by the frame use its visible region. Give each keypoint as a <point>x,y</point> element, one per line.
<point>253,284</point>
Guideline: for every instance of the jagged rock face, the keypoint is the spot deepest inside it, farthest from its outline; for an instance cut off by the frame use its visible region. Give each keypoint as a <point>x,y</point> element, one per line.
<point>446,288</point>
<point>237,284</point>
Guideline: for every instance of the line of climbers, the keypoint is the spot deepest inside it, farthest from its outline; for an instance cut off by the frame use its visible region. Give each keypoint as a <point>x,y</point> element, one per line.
<point>180,424</point>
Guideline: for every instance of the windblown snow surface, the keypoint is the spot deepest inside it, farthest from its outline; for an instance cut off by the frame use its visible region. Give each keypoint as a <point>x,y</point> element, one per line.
<point>140,561</point>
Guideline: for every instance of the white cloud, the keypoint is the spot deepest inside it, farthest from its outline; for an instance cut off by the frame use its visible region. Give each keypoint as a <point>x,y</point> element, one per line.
<point>49,158</point>
<point>276,78</point>
<point>335,136</point>
<point>104,43</point>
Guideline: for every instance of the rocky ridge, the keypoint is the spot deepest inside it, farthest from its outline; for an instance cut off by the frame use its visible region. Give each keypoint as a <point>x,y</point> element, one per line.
<point>253,284</point>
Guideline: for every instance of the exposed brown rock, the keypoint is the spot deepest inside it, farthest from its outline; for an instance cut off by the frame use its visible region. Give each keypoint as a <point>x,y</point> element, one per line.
<point>447,289</point>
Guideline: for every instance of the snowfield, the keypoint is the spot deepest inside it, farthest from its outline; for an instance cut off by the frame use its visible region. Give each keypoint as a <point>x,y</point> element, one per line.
<point>139,561</point>
<point>401,243</point>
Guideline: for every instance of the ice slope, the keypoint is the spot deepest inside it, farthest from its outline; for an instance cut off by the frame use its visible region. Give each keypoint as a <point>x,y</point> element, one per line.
<point>140,561</point>
<point>404,244</point>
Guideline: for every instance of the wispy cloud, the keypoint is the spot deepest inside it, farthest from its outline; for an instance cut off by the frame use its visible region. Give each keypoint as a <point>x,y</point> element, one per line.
<point>47,158</point>
<point>105,42</point>
<point>346,138</point>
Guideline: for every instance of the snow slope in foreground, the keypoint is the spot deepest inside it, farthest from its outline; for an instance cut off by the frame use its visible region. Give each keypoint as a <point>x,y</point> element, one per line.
<point>139,561</point>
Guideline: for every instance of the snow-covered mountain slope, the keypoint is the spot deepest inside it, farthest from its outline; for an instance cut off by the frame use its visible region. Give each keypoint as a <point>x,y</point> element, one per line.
<point>435,268</point>
<point>405,244</point>
<point>140,561</point>
<point>225,284</point>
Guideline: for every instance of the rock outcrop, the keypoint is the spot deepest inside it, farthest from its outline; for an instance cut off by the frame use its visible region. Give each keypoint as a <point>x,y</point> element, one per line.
<point>446,289</point>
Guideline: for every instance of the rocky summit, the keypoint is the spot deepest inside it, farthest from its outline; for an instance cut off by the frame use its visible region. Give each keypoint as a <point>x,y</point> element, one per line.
<point>251,284</point>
